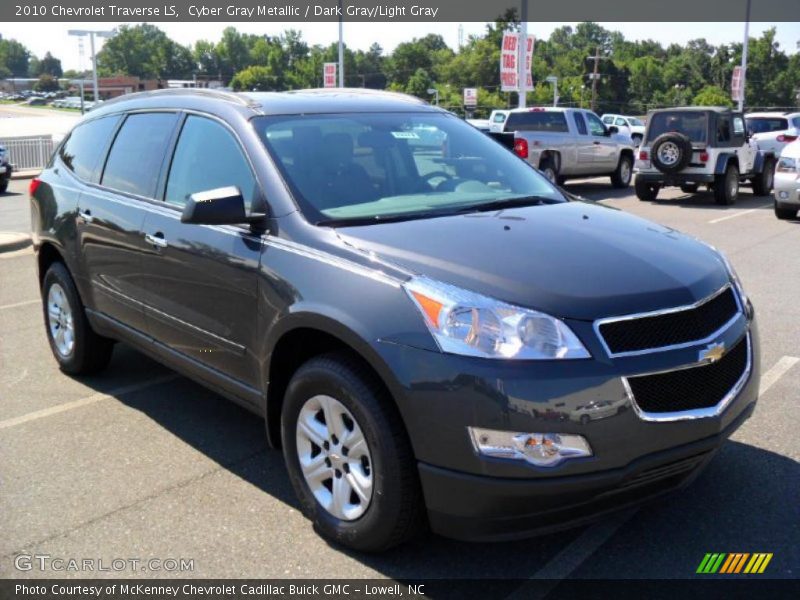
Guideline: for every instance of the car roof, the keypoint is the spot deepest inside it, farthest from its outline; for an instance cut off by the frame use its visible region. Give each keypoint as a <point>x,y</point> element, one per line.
<point>715,109</point>
<point>541,109</point>
<point>769,114</point>
<point>312,101</point>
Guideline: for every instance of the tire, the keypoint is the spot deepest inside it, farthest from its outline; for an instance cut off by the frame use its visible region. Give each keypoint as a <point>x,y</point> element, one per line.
<point>622,175</point>
<point>762,183</point>
<point>76,347</point>
<point>690,188</point>
<point>548,169</point>
<point>4,184</point>
<point>671,152</point>
<point>394,510</point>
<point>726,187</point>
<point>646,192</point>
<point>784,213</point>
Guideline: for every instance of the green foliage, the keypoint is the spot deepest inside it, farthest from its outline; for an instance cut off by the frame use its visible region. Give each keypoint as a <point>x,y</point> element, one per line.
<point>712,95</point>
<point>46,83</point>
<point>144,51</point>
<point>254,79</point>
<point>49,65</point>
<point>14,58</point>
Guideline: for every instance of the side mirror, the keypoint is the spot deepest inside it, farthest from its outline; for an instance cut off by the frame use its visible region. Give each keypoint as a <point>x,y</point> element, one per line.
<point>612,129</point>
<point>221,206</point>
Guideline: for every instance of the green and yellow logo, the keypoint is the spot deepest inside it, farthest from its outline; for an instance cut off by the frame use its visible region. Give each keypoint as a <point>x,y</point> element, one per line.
<point>733,563</point>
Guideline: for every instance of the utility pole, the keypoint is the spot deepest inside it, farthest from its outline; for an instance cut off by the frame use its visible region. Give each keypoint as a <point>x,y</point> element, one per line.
<point>522,75</point>
<point>341,46</point>
<point>744,56</point>
<point>595,75</point>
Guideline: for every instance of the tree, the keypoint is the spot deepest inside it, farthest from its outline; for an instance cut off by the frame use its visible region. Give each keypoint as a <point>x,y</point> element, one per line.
<point>14,58</point>
<point>49,65</point>
<point>711,95</point>
<point>254,79</point>
<point>419,84</point>
<point>146,52</point>
<point>46,83</point>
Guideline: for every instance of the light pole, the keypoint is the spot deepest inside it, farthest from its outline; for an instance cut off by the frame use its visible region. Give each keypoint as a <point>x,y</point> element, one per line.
<point>435,94</point>
<point>744,55</point>
<point>341,46</point>
<point>554,80</point>
<point>91,34</point>
<point>522,75</point>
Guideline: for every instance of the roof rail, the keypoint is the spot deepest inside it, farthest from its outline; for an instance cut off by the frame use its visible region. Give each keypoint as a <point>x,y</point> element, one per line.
<point>208,92</point>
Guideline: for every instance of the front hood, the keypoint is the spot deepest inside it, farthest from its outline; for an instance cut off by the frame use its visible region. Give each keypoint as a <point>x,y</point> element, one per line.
<point>572,260</point>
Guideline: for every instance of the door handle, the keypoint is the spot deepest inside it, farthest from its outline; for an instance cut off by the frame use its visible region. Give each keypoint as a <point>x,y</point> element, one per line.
<point>86,216</point>
<point>156,239</point>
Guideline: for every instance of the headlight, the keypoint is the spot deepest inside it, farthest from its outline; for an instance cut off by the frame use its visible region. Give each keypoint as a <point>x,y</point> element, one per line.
<point>463,322</point>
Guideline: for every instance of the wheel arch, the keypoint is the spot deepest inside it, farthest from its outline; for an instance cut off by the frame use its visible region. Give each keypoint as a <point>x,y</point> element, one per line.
<point>723,160</point>
<point>553,156</point>
<point>300,336</point>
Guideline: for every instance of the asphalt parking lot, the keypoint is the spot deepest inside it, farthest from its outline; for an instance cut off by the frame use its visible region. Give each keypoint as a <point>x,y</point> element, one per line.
<point>140,463</point>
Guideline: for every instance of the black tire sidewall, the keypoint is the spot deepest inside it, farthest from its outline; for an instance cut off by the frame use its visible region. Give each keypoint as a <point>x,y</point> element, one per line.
<point>684,145</point>
<point>374,529</point>
<point>616,178</point>
<point>57,273</point>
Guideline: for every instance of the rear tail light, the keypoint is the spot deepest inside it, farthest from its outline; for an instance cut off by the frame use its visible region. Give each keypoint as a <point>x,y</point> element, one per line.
<point>643,155</point>
<point>521,147</point>
<point>33,186</point>
<point>704,157</point>
<point>786,138</point>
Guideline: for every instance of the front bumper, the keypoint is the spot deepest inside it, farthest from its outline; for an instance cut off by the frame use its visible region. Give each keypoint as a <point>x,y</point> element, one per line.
<point>471,496</point>
<point>787,189</point>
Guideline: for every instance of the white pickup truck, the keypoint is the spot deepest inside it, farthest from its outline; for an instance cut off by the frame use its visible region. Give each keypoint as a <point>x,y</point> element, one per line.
<point>565,143</point>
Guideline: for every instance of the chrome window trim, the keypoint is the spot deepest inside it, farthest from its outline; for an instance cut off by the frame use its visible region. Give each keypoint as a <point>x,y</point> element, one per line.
<point>666,311</point>
<point>695,413</point>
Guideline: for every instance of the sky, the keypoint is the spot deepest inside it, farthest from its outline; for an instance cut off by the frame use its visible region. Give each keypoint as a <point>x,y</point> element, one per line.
<point>43,37</point>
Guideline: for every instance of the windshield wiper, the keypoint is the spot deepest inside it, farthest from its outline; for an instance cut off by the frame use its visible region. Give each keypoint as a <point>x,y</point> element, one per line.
<point>377,219</point>
<point>509,203</point>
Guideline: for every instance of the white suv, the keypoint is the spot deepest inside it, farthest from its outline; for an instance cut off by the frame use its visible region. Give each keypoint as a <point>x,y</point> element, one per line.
<point>701,145</point>
<point>631,125</point>
<point>773,130</point>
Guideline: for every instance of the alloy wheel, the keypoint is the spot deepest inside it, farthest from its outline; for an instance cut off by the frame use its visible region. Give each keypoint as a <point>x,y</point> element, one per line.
<point>60,320</point>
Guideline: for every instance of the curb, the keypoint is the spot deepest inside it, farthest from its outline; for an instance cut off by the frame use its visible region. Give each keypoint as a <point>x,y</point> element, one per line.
<point>10,240</point>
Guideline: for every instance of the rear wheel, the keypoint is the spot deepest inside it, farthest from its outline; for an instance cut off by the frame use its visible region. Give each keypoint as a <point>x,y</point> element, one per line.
<point>647,192</point>
<point>621,177</point>
<point>726,187</point>
<point>784,212</point>
<point>762,183</point>
<point>548,169</point>
<point>348,456</point>
<point>75,345</point>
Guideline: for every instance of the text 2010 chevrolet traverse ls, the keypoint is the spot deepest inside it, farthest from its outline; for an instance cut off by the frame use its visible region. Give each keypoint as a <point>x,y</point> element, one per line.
<point>433,332</point>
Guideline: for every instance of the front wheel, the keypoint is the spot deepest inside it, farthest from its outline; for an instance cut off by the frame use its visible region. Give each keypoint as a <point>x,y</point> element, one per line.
<point>646,192</point>
<point>348,456</point>
<point>621,178</point>
<point>726,187</point>
<point>762,183</point>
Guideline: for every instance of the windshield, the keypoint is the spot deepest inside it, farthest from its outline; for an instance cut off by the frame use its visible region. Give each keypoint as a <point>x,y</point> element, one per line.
<point>378,166</point>
<point>635,122</point>
<point>692,124</point>
<point>766,124</point>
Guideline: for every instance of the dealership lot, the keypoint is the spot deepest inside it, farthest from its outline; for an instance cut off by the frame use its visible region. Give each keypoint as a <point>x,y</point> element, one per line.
<point>139,463</point>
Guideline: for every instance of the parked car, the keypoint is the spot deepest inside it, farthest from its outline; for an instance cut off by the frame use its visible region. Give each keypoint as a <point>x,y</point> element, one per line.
<point>496,120</point>
<point>6,169</point>
<point>407,321</point>
<point>697,145</point>
<point>787,182</point>
<point>564,143</point>
<point>631,125</point>
<point>773,130</point>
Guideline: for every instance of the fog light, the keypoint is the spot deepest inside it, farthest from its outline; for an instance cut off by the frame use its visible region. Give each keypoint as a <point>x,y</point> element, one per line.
<point>540,449</point>
<point>783,195</point>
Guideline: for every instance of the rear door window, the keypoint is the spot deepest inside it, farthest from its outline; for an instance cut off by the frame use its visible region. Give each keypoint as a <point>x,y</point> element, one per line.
<point>137,154</point>
<point>83,149</point>
<point>191,170</point>
<point>537,121</point>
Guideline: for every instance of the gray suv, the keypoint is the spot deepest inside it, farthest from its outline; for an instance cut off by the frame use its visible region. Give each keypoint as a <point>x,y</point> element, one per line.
<point>434,334</point>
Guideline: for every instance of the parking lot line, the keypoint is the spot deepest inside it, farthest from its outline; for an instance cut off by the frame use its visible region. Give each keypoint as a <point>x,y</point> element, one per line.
<point>738,214</point>
<point>53,410</point>
<point>769,378</point>
<point>18,304</point>
<point>571,557</point>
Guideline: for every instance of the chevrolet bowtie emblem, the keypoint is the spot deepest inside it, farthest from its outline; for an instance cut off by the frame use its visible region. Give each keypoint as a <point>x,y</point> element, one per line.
<point>712,352</point>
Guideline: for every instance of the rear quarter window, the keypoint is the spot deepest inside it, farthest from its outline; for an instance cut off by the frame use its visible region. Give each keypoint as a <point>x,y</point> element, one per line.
<point>767,125</point>
<point>136,156</point>
<point>537,121</point>
<point>82,150</point>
